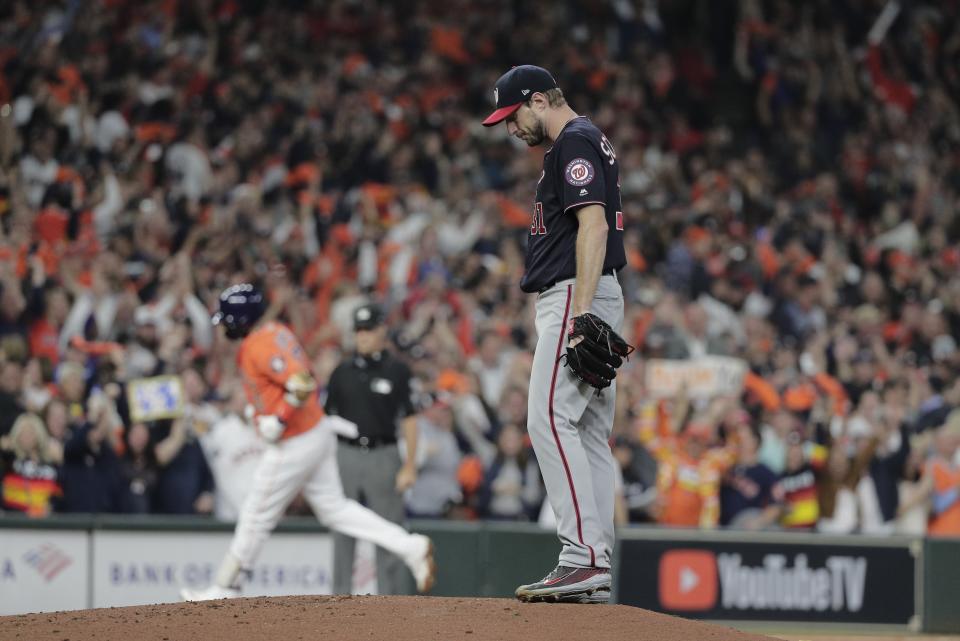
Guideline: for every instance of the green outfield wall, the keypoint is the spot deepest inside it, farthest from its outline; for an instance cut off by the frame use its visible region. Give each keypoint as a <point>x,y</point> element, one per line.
<point>855,583</point>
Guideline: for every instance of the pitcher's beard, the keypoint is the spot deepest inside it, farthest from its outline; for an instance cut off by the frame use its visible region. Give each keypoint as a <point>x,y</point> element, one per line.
<point>537,136</point>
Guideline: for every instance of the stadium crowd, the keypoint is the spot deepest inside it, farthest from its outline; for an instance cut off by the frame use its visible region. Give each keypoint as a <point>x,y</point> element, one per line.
<point>791,182</point>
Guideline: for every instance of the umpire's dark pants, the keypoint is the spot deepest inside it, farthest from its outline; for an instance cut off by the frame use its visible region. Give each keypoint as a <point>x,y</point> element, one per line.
<point>369,476</point>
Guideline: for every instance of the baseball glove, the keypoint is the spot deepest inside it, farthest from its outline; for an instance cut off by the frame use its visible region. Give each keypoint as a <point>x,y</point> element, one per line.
<point>595,359</point>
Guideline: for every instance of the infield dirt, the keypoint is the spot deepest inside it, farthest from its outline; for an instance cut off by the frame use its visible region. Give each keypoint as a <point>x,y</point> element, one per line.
<point>329,618</point>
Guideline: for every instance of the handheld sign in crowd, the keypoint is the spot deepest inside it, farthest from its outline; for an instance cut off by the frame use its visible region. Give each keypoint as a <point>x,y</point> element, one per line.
<point>699,378</point>
<point>155,398</point>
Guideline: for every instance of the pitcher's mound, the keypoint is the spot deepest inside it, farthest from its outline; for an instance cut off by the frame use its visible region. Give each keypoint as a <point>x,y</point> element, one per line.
<point>329,618</point>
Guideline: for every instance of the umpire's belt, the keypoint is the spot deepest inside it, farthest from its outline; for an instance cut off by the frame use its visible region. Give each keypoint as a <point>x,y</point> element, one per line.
<point>368,442</point>
<point>606,272</point>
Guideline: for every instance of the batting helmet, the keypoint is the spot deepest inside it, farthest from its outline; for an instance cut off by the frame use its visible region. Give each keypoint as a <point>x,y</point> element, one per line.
<point>241,306</point>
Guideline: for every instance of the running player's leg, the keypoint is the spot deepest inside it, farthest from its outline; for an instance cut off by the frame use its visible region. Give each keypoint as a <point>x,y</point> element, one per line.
<point>325,495</point>
<point>279,476</point>
<point>351,462</point>
<point>555,406</point>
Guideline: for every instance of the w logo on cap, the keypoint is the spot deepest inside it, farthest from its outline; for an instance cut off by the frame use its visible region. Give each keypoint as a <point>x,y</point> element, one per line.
<point>514,88</point>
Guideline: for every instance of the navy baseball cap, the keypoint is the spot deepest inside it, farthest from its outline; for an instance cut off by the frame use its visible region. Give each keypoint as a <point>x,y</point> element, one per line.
<point>368,316</point>
<point>515,87</point>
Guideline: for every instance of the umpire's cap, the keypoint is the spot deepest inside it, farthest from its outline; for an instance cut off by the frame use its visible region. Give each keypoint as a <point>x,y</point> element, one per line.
<point>515,87</point>
<point>241,306</point>
<point>369,316</point>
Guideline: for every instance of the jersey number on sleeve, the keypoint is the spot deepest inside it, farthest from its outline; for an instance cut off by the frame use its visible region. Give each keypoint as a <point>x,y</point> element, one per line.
<point>607,149</point>
<point>537,227</point>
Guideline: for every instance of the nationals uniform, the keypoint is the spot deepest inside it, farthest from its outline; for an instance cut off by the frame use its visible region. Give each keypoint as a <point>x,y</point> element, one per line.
<point>569,421</point>
<point>301,454</point>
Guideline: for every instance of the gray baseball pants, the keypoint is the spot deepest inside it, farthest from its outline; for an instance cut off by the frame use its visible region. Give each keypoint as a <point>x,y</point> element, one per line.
<point>370,476</point>
<point>570,424</point>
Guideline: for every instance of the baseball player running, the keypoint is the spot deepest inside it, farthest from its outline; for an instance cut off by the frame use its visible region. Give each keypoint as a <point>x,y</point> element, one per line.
<point>573,254</point>
<point>301,452</point>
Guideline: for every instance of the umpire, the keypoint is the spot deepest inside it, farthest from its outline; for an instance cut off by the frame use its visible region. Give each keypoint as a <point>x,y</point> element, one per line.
<point>372,389</point>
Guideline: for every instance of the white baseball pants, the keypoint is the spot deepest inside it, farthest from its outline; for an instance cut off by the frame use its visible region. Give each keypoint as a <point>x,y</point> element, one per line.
<point>308,461</point>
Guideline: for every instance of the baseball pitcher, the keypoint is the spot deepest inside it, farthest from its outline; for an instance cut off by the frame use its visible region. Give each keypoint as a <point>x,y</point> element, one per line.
<point>573,254</point>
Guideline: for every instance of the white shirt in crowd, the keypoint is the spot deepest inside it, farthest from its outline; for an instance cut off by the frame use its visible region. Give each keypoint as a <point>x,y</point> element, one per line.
<point>36,177</point>
<point>492,378</point>
<point>233,451</point>
<point>191,167</point>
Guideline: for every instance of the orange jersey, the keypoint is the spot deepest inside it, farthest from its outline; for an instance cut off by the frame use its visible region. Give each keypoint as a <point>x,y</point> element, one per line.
<point>945,479</point>
<point>268,357</point>
<point>689,488</point>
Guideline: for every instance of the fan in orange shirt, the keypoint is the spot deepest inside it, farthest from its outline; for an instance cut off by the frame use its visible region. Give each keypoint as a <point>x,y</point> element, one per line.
<point>945,476</point>
<point>689,481</point>
<point>688,475</point>
<point>302,454</point>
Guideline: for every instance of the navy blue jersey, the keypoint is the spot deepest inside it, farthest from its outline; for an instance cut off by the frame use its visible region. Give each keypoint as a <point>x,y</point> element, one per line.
<point>580,169</point>
<point>746,488</point>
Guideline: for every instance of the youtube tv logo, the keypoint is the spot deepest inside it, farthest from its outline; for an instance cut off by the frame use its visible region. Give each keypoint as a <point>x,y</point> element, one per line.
<point>688,580</point>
